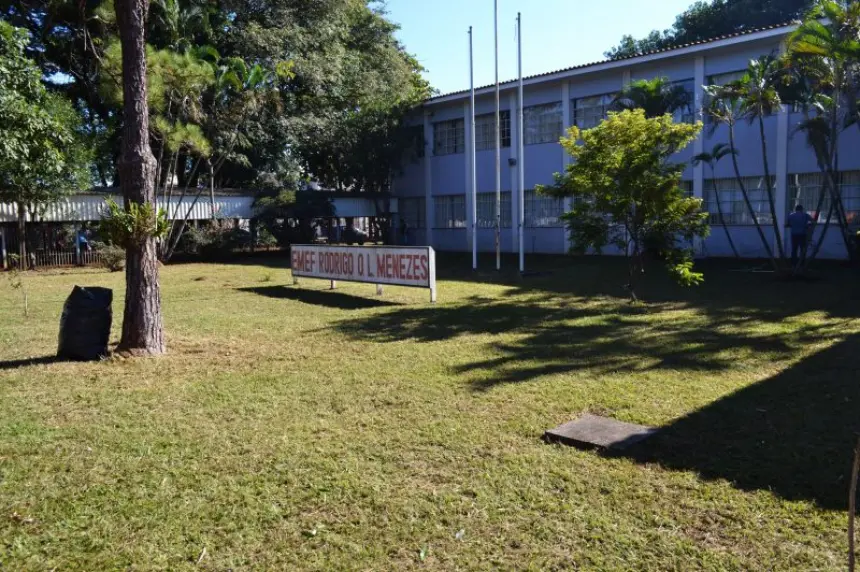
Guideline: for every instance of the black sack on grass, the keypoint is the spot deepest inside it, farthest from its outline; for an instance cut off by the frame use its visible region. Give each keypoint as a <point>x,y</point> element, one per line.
<point>85,324</point>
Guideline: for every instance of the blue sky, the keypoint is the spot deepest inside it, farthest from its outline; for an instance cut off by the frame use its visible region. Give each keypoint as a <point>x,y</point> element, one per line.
<point>556,33</point>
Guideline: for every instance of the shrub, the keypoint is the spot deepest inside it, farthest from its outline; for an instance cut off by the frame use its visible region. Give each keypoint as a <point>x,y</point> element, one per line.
<point>112,256</point>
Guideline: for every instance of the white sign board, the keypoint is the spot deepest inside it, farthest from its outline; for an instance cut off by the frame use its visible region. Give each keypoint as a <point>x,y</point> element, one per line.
<point>397,265</point>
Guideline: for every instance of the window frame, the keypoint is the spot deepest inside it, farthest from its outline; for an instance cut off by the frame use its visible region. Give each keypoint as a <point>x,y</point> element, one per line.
<point>452,205</point>
<point>734,208</point>
<point>449,137</point>
<point>549,128</point>
<point>603,102</point>
<point>485,125</point>
<point>549,209</point>
<point>485,208</point>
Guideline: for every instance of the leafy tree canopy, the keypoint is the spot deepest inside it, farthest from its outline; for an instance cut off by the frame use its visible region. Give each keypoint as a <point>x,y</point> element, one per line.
<point>251,88</point>
<point>41,154</point>
<point>627,193</point>
<point>710,19</point>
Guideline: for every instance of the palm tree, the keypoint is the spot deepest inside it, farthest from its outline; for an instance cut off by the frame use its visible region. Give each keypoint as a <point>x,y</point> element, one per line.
<point>827,44</point>
<point>759,98</point>
<point>725,107</point>
<point>657,97</point>
<point>720,151</point>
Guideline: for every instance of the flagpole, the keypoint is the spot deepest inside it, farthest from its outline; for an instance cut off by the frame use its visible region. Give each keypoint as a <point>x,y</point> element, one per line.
<point>498,148</point>
<point>521,165</point>
<point>473,215</point>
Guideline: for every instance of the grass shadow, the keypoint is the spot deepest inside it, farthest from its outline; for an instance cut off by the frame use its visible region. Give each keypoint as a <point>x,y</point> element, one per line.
<point>792,434</point>
<point>325,298</point>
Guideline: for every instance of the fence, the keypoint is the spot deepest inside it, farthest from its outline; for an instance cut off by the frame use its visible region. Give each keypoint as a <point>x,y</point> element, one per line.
<point>49,258</point>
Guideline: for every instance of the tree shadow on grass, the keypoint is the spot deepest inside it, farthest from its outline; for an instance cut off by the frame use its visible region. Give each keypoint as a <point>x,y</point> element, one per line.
<point>792,434</point>
<point>557,334</point>
<point>326,298</point>
<point>26,362</point>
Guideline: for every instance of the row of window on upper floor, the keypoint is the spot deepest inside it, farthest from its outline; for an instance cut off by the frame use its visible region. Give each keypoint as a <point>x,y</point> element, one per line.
<point>723,199</point>
<point>545,123</point>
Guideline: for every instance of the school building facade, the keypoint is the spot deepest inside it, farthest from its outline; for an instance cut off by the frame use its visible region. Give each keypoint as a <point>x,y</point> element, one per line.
<point>434,192</point>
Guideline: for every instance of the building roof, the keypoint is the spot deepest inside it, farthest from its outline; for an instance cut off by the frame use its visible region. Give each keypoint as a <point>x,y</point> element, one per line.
<point>737,37</point>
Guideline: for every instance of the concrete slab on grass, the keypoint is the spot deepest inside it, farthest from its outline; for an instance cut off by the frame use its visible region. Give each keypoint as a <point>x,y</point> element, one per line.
<point>591,431</point>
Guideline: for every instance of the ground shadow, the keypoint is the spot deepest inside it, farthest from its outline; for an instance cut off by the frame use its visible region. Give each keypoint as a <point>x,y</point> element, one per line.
<point>16,363</point>
<point>792,434</point>
<point>558,334</point>
<point>326,298</point>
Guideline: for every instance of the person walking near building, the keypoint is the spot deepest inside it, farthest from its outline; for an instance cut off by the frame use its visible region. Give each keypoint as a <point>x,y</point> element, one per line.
<point>798,222</point>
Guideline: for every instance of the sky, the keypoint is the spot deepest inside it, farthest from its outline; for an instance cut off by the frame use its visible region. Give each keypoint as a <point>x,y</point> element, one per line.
<point>556,34</point>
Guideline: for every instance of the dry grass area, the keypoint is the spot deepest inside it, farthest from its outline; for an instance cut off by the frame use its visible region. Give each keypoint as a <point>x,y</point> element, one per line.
<point>297,428</point>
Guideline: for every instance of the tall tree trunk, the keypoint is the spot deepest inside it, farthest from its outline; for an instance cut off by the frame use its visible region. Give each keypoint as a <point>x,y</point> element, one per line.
<point>746,196</point>
<point>142,326</point>
<point>22,237</point>
<point>769,182</point>
<point>723,218</point>
<point>212,189</point>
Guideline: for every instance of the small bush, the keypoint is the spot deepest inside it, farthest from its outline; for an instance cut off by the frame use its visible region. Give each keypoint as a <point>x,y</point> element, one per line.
<point>112,256</point>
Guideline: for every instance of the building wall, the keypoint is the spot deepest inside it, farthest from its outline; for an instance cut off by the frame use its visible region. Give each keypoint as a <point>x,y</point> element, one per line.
<point>787,152</point>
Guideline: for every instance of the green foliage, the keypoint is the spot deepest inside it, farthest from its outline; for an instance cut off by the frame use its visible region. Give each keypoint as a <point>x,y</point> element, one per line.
<point>124,227</point>
<point>627,194</point>
<point>292,217</point>
<point>216,237</point>
<point>42,153</point>
<point>710,19</point>
<point>112,256</point>
<point>656,97</point>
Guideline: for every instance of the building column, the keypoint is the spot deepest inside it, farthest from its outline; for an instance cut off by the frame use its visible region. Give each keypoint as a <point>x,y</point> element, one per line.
<point>468,139</point>
<point>627,78</point>
<point>429,211</point>
<point>567,123</point>
<point>515,184</point>
<point>699,143</point>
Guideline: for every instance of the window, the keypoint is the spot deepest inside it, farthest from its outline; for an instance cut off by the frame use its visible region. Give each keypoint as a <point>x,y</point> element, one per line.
<point>448,137</point>
<point>805,189</point>
<point>487,210</point>
<point>450,211</point>
<point>542,211</point>
<point>542,123</point>
<point>726,78</point>
<point>416,136</point>
<point>732,202</point>
<point>687,113</point>
<point>485,130</point>
<point>720,79</point>
<point>687,187</point>
<point>588,112</point>
<point>412,212</point>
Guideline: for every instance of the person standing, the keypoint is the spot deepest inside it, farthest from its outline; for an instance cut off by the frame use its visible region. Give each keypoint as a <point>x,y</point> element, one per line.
<point>798,222</point>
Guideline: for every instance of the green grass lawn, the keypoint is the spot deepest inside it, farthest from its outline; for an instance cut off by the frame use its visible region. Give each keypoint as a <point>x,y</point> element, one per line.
<point>297,428</point>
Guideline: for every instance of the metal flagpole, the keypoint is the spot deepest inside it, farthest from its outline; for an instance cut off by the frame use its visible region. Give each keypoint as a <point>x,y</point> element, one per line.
<point>473,148</point>
<point>521,165</point>
<point>498,149</point>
